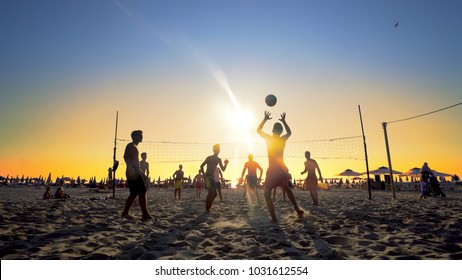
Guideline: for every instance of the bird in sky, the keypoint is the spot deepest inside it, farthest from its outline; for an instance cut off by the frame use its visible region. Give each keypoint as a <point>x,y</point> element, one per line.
<point>396,24</point>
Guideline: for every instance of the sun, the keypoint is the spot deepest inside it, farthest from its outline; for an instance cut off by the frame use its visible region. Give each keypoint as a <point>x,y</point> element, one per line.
<point>243,123</point>
<point>242,120</point>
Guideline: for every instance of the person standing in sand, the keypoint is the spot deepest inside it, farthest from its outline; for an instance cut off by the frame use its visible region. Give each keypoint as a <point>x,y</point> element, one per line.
<point>178,182</point>
<point>135,179</point>
<point>311,181</point>
<point>144,167</point>
<point>425,171</point>
<point>197,182</point>
<point>277,173</point>
<point>212,163</point>
<point>252,180</point>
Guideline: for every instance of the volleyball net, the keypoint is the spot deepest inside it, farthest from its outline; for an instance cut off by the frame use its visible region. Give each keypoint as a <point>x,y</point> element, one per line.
<point>349,148</point>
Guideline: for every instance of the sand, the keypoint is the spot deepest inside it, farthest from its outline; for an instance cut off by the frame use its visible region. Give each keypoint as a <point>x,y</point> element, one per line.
<point>347,225</point>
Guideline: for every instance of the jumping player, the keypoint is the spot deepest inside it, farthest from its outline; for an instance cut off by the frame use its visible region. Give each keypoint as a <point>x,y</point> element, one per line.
<point>277,173</point>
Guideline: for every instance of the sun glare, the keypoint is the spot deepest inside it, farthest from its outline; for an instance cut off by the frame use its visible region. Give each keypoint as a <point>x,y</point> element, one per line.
<point>242,120</point>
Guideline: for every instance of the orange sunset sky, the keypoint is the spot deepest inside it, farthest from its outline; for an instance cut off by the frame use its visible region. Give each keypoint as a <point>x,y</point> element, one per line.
<point>198,71</point>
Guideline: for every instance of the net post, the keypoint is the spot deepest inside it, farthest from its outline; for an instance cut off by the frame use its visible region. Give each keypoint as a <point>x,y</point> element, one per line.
<point>365,153</point>
<point>384,125</point>
<point>115,162</point>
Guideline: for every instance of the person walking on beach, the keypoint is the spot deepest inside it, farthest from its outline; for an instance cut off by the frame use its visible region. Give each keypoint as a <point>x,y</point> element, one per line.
<point>135,178</point>
<point>197,182</point>
<point>212,163</point>
<point>178,182</point>
<point>311,181</point>
<point>277,173</point>
<point>144,167</point>
<point>252,180</point>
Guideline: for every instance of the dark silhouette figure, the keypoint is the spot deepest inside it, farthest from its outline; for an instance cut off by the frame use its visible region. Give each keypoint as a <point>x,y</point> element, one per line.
<point>59,194</point>
<point>178,179</point>
<point>135,178</point>
<point>47,194</point>
<point>425,172</point>
<point>144,167</point>
<point>311,181</point>
<point>212,163</point>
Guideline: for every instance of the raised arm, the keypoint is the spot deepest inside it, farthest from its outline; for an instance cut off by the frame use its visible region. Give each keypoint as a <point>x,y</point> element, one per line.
<point>286,126</point>
<point>260,127</point>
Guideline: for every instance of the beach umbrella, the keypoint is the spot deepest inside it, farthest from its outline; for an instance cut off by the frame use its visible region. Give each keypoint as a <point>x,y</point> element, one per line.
<point>48,182</point>
<point>383,170</point>
<point>413,172</point>
<point>349,173</point>
<point>440,174</point>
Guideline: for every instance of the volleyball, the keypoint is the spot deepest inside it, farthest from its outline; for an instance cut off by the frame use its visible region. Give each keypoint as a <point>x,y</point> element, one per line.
<point>270,100</point>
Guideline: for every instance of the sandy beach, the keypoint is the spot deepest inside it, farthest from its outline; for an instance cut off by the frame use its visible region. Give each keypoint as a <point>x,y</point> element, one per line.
<point>347,225</point>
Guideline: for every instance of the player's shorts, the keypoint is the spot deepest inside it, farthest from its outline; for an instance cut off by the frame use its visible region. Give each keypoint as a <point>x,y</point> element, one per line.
<point>136,186</point>
<point>198,185</point>
<point>178,185</point>
<point>311,183</point>
<point>276,177</point>
<point>210,183</point>
<point>252,180</point>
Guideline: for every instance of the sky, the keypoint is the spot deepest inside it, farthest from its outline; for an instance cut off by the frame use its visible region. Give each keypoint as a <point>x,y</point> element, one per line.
<point>198,72</point>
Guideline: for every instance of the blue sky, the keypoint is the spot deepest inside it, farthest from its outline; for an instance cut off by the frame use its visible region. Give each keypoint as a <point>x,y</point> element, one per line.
<point>65,60</point>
